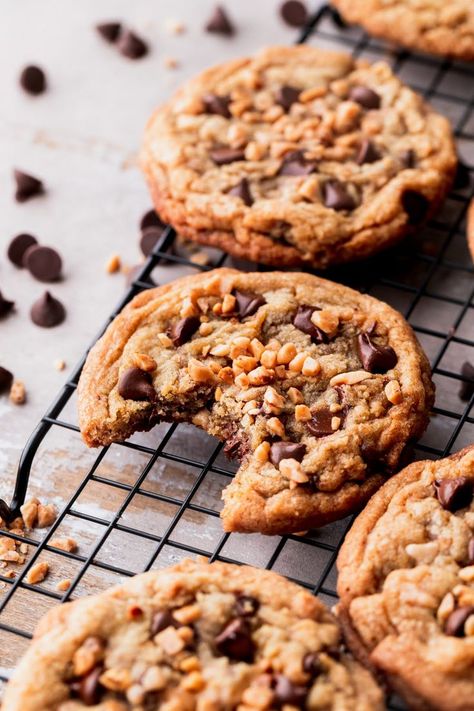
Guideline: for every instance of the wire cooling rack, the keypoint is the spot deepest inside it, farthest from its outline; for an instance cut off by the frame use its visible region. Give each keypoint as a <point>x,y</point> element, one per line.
<point>155,499</point>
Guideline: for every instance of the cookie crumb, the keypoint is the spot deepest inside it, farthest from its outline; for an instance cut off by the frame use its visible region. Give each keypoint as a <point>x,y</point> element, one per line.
<point>64,544</point>
<point>113,265</point>
<point>37,573</point>
<point>59,364</point>
<point>171,63</point>
<point>18,393</point>
<point>64,585</point>
<point>174,27</point>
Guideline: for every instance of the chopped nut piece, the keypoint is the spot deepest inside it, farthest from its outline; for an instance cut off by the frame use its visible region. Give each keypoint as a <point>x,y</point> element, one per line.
<point>205,329</point>
<point>226,375</point>
<point>268,359</point>
<point>242,380</point>
<point>257,697</point>
<point>64,544</point>
<point>187,614</point>
<point>144,362</point>
<point>87,655</point>
<point>296,365</point>
<point>64,585</point>
<point>302,413</point>
<point>17,393</point>
<point>295,395</point>
<point>170,641</point>
<point>286,353</point>
<point>272,397</point>
<point>275,426</point>
<point>247,363</point>
<point>220,350</point>
<point>262,452</point>
<point>116,679</point>
<point>29,512</point>
<point>256,348</point>
<point>37,573</point>
<point>393,392</point>
<point>239,346</point>
<point>188,308</point>
<point>351,378</point>
<point>335,423</point>
<point>201,418</point>
<point>260,376</point>
<point>199,372</point>
<point>310,366</point>
<point>228,304</point>
<point>174,27</point>
<point>193,682</point>
<point>59,364</point>
<point>7,544</point>
<point>274,344</point>
<point>165,340</point>
<point>218,394</point>
<point>47,515</point>
<point>326,320</point>
<point>293,470</point>
<point>467,574</point>
<point>113,265</point>
<point>153,679</point>
<point>250,405</point>
<point>190,664</point>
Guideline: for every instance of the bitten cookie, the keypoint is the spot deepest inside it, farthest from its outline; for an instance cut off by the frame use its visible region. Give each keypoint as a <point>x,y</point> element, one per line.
<point>406,582</point>
<point>435,26</point>
<point>315,387</point>
<point>297,156</point>
<point>194,637</point>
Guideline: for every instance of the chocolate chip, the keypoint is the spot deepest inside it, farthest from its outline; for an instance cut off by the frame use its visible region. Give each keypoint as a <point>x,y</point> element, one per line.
<point>6,379</point>
<point>136,384</point>
<point>219,22</point>
<point>454,625</point>
<point>470,551</point>
<point>312,664</point>
<point>44,263</point>
<point>373,458</point>
<point>47,311</point>
<point>27,186</point>
<point>223,156</point>
<point>368,153</point>
<point>150,219</point>
<point>286,450</point>
<point>408,158</point>
<point>320,423</point>
<point>286,692</point>
<point>454,494</point>
<point>89,689</point>
<point>109,31</point>
<point>466,389</point>
<point>149,239</point>
<point>337,197</point>
<point>131,45</point>
<point>6,306</point>
<point>375,358</point>
<point>294,163</point>
<point>18,246</point>
<point>287,96</point>
<point>364,96</point>
<point>33,80</point>
<point>215,104</point>
<point>462,178</point>
<point>161,620</point>
<point>242,191</point>
<point>303,322</point>
<point>247,302</point>
<point>235,641</point>
<point>246,605</point>
<point>415,205</point>
<point>294,13</point>
<point>183,330</point>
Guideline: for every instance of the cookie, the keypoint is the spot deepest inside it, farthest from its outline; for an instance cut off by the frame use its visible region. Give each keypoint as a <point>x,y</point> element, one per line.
<point>297,156</point>
<point>470,228</point>
<point>406,583</point>
<point>194,637</point>
<point>316,388</point>
<point>433,26</point>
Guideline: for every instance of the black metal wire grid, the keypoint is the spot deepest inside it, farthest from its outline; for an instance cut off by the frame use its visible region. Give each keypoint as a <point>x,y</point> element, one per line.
<point>428,279</point>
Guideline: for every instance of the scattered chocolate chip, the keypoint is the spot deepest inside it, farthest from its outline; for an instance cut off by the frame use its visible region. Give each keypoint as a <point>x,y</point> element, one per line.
<point>294,164</point>
<point>18,247</point>
<point>303,322</point>
<point>364,96</point>
<point>247,303</point>
<point>6,306</point>
<point>183,330</point>
<point>242,191</point>
<point>235,641</point>
<point>320,423</point>
<point>454,494</point>
<point>415,205</point>
<point>136,384</point>
<point>215,104</point>
<point>375,358</point>
<point>131,45</point>
<point>109,31</point>
<point>312,664</point>
<point>89,689</point>
<point>220,23</point>
<point>470,551</point>
<point>161,620</point>
<point>246,605</point>
<point>286,692</point>
<point>6,380</point>
<point>337,197</point>
<point>150,219</point>
<point>27,186</point>
<point>466,389</point>
<point>47,311</point>
<point>149,239</point>
<point>368,153</point>
<point>408,158</point>
<point>287,96</point>
<point>294,13</point>
<point>223,156</point>
<point>454,625</point>
<point>462,178</point>
<point>286,450</point>
<point>33,80</point>
<point>44,263</point>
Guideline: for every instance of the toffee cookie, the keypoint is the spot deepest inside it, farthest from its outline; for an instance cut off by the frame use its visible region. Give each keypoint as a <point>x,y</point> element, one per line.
<point>434,26</point>
<point>315,387</point>
<point>297,156</point>
<point>194,637</point>
<point>406,582</point>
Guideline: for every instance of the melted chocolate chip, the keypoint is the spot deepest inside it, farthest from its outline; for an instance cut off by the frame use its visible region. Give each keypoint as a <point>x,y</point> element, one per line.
<point>371,456</point>
<point>149,239</point>
<point>408,158</point>
<point>27,186</point>
<point>47,311</point>
<point>33,80</point>
<point>287,96</point>
<point>286,692</point>
<point>320,424</point>
<point>375,358</point>
<point>89,689</point>
<point>220,23</point>
<point>246,605</point>
<point>294,13</point>
<point>224,156</point>
<point>470,551</point>
<point>183,330</point>
<point>136,384</point>
<point>466,389</point>
<point>6,380</point>
<point>44,263</point>
<point>109,31</point>
<point>454,625</point>
<point>364,96</point>
<point>454,494</point>
<point>235,641</point>
<point>151,219</point>
<point>294,164</point>
<point>286,450</point>
<point>18,246</point>
<point>215,104</point>
<point>131,45</point>
<point>247,303</point>
<point>6,306</point>
<point>415,205</point>
<point>161,620</point>
<point>303,322</point>
<point>337,197</point>
<point>242,191</point>
<point>312,664</point>
<point>368,153</point>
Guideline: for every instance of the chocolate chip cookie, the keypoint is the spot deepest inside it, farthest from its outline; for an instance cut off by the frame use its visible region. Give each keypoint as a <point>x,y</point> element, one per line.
<point>194,637</point>
<point>434,26</point>
<point>406,582</point>
<point>297,156</point>
<point>316,388</point>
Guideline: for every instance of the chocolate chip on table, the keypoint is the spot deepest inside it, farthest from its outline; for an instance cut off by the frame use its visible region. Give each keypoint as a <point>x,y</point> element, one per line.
<point>368,153</point>
<point>466,389</point>
<point>161,620</point>
<point>47,311</point>
<point>242,191</point>
<point>246,605</point>
<point>183,330</point>
<point>219,22</point>
<point>364,96</point>
<point>27,186</point>
<point>320,424</point>
<point>44,263</point>
<point>215,104</point>
<point>109,31</point>
<point>312,664</point>
<point>295,164</point>
<point>6,306</point>
<point>151,219</point>
<point>287,96</point>
<point>149,239</point>
<point>247,303</point>
<point>136,384</point>
<point>18,246</point>
<point>375,358</point>
<point>294,13</point>
<point>454,494</point>
<point>337,197</point>
<point>223,156</point>
<point>131,45</point>
<point>33,80</point>
<point>286,450</point>
<point>6,380</point>
<point>286,692</point>
<point>415,205</point>
<point>235,641</point>
<point>454,625</point>
<point>303,322</point>
<point>89,688</point>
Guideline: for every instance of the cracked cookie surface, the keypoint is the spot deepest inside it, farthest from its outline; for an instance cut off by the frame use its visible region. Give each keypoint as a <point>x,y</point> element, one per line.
<point>434,26</point>
<point>297,156</point>
<point>406,583</point>
<point>194,637</point>
<point>316,388</point>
